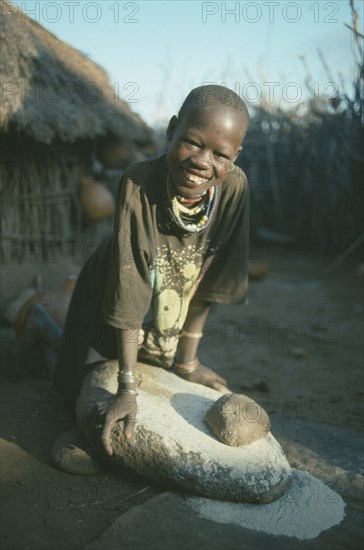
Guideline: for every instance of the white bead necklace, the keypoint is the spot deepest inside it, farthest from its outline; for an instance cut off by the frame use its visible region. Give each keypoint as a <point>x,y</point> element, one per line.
<point>186,218</point>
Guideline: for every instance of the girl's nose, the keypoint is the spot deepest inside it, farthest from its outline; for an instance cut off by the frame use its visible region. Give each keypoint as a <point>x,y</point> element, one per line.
<point>202,160</point>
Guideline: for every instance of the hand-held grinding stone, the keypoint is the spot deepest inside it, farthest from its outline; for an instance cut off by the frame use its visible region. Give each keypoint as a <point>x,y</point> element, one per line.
<point>237,420</point>
<point>172,444</point>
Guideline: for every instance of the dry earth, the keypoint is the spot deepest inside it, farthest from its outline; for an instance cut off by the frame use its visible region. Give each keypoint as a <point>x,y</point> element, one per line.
<point>296,348</point>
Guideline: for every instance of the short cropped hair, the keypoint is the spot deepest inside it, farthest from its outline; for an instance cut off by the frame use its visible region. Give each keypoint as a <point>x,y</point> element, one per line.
<point>212,94</point>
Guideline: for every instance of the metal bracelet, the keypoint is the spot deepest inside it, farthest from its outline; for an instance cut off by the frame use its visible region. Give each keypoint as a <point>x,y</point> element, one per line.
<point>128,379</point>
<point>126,389</point>
<point>190,334</point>
<point>127,374</point>
<point>132,392</point>
<point>187,368</point>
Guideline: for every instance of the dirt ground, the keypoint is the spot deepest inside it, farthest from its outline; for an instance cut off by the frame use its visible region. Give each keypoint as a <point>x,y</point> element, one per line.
<point>296,348</point>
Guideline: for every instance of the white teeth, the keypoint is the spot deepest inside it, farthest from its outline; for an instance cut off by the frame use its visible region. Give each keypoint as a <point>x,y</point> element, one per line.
<point>195,179</point>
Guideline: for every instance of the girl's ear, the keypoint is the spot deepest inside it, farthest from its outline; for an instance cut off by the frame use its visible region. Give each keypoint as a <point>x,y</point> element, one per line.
<point>239,150</point>
<point>171,127</point>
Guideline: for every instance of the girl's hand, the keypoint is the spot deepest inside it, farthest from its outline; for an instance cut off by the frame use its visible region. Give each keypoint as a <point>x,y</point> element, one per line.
<point>206,377</point>
<point>119,407</point>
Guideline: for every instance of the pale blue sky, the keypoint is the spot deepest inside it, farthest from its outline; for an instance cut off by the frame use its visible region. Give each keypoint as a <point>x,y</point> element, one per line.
<point>156,51</point>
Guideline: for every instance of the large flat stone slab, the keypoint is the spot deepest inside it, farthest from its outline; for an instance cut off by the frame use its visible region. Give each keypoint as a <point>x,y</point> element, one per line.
<point>307,516</point>
<point>172,444</point>
<point>331,453</point>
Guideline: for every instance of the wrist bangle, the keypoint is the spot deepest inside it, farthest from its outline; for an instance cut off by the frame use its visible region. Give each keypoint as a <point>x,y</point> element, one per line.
<point>127,374</point>
<point>186,368</point>
<point>126,377</point>
<point>126,386</point>
<point>132,392</point>
<point>190,334</point>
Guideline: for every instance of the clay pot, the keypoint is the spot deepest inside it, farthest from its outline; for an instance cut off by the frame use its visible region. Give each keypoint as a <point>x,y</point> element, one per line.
<point>97,203</point>
<point>258,270</point>
<point>114,153</point>
<point>56,302</point>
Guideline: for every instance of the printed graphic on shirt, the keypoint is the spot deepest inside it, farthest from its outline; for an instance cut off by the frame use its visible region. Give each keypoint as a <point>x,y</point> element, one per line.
<point>175,277</point>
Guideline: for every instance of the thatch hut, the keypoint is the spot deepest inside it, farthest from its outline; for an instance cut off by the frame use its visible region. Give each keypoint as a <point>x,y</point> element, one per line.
<point>55,104</point>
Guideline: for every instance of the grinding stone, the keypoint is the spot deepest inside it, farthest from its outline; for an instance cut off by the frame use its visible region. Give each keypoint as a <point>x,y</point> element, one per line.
<point>172,444</point>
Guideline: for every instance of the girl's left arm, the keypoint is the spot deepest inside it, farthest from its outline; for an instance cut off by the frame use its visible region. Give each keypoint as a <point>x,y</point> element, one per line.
<point>187,365</point>
<point>192,331</point>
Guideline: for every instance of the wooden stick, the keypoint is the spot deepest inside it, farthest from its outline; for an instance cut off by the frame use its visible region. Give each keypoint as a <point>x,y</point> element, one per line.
<point>339,260</point>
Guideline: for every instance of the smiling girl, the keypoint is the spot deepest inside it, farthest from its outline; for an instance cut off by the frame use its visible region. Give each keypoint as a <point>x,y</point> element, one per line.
<point>180,243</point>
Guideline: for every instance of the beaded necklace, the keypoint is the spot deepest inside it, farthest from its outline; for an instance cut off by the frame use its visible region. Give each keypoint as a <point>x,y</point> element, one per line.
<point>195,219</point>
<point>192,200</point>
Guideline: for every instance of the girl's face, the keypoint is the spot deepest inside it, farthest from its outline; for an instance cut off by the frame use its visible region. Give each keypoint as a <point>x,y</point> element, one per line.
<point>204,144</point>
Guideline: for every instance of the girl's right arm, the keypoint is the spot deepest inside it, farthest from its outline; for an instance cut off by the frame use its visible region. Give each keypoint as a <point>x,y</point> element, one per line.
<point>123,406</point>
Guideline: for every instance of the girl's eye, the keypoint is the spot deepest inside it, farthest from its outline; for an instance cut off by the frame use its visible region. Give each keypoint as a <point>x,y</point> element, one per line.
<point>191,142</point>
<point>221,156</point>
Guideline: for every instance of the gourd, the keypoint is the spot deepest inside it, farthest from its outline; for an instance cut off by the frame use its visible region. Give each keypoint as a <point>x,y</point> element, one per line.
<point>97,203</point>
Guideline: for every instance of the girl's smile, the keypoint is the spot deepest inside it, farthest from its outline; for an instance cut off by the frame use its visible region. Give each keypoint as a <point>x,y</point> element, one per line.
<point>204,144</point>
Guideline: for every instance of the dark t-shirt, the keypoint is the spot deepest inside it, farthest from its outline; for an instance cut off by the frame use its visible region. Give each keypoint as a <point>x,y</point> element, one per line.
<point>146,275</point>
<point>154,271</point>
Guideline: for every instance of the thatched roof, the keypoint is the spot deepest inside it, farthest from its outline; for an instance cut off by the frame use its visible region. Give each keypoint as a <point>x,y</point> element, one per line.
<point>50,91</point>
